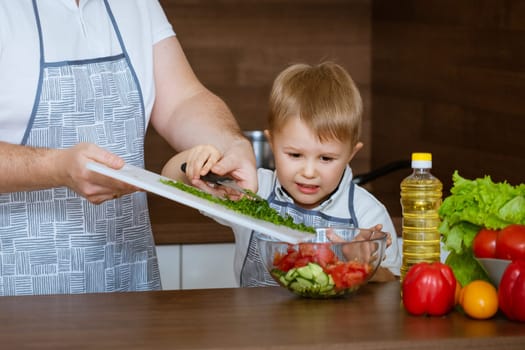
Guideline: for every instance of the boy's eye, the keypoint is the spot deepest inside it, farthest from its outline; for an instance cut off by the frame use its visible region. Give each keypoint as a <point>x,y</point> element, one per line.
<point>326,159</point>
<point>294,155</point>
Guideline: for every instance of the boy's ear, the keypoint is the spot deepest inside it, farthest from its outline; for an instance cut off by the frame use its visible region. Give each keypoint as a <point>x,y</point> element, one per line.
<point>268,136</point>
<point>356,149</point>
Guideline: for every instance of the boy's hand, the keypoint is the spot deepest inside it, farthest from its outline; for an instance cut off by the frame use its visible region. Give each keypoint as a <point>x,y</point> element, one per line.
<point>364,251</point>
<point>378,228</point>
<point>199,161</point>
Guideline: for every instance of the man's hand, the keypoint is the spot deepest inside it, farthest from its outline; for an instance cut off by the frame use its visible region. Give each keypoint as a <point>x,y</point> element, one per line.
<point>239,162</point>
<point>96,188</point>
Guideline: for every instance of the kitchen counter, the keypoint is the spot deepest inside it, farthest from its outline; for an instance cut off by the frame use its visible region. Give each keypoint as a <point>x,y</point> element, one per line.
<point>244,318</point>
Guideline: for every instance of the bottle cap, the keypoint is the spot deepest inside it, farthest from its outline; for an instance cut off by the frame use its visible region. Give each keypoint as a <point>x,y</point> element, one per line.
<point>422,160</point>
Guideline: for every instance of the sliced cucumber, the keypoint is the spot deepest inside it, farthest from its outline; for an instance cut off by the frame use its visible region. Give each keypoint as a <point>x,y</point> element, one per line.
<point>322,279</point>
<point>316,269</point>
<point>305,272</point>
<point>278,275</point>
<point>304,283</point>
<point>291,274</point>
<point>310,281</point>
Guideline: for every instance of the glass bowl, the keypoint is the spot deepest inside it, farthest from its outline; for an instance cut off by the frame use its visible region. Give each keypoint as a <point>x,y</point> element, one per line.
<point>335,263</point>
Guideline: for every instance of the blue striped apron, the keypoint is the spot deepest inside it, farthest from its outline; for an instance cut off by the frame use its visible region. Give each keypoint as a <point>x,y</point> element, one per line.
<point>53,241</point>
<point>253,272</point>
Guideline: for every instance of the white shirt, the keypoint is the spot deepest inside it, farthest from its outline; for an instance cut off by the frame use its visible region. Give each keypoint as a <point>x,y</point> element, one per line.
<point>368,209</point>
<point>71,32</point>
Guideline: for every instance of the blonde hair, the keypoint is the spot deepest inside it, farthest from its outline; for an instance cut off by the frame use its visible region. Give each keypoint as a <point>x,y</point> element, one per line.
<point>323,96</point>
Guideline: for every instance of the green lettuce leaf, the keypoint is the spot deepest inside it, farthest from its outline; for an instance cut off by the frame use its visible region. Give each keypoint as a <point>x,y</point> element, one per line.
<point>513,210</point>
<point>466,268</point>
<point>459,237</point>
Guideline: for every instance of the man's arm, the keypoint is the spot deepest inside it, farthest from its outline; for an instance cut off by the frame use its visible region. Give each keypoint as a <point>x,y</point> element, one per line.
<point>186,114</point>
<point>25,168</point>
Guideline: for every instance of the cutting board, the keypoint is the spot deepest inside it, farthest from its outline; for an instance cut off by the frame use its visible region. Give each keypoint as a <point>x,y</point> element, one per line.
<point>150,181</point>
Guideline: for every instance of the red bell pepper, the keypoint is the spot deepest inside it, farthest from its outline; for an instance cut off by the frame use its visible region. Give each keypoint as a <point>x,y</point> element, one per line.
<point>511,291</point>
<point>429,288</point>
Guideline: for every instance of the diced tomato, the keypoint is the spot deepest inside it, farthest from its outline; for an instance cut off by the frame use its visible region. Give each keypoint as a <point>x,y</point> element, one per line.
<point>302,261</point>
<point>288,261</point>
<point>277,258</point>
<point>325,255</point>
<point>318,253</point>
<point>347,274</point>
<point>307,249</point>
<point>337,272</point>
<point>344,274</point>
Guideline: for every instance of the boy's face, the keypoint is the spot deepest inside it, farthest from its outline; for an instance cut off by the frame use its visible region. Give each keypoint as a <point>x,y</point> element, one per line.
<point>308,169</point>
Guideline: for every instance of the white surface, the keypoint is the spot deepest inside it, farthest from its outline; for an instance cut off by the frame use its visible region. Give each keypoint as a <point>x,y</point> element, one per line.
<point>208,266</point>
<point>169,257</point>
<point>196,266</point>
<point>150,181</point>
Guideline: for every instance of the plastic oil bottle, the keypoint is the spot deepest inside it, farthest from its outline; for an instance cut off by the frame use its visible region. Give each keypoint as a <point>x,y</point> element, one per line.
<point>421,196</point>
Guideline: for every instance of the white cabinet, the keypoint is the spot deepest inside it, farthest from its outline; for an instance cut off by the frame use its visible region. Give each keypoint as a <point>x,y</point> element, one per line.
<point>208,266</point>
<point>193,266</point>
<point>169,257</point>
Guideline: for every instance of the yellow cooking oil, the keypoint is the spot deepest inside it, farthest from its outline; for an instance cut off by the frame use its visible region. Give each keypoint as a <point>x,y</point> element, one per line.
<point>421,197</point>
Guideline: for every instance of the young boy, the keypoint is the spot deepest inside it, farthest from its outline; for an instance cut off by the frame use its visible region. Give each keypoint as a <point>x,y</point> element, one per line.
<point>314,129</point>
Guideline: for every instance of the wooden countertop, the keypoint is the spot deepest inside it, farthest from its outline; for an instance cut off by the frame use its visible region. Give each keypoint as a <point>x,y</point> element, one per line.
<point>244,318</point>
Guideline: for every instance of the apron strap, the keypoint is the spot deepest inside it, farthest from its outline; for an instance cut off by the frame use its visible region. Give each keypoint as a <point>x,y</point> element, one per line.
<point>40,36</point>
<point>351,208</point>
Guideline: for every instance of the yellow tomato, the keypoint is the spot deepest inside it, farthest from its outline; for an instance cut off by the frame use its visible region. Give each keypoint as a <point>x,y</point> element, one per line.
<point>479,299</point>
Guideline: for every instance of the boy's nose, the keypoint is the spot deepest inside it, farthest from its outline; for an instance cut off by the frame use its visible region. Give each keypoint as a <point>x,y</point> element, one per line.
<point>309,168</point>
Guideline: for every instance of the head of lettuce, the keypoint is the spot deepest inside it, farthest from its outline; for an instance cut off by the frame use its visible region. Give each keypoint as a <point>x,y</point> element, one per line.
<point>472,205</point>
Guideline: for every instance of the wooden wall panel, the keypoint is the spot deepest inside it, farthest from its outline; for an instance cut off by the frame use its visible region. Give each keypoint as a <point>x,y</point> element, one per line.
<point>236,48</point>
<point>448,77</point>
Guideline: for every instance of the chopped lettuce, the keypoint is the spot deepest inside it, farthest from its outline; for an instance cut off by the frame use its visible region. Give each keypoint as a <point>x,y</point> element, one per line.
<point>251,205</point>
<point>474,204</point>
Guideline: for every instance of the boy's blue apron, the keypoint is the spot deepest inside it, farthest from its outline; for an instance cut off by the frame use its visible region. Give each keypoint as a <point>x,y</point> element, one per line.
<point>54,241</point>
<point>253,272</point>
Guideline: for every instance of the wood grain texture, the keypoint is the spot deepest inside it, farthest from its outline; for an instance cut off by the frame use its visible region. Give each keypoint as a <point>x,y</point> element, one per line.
<point>448,77</point>
<point>237,47</point>
<point>242,318</point>
<point>439,76</point>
